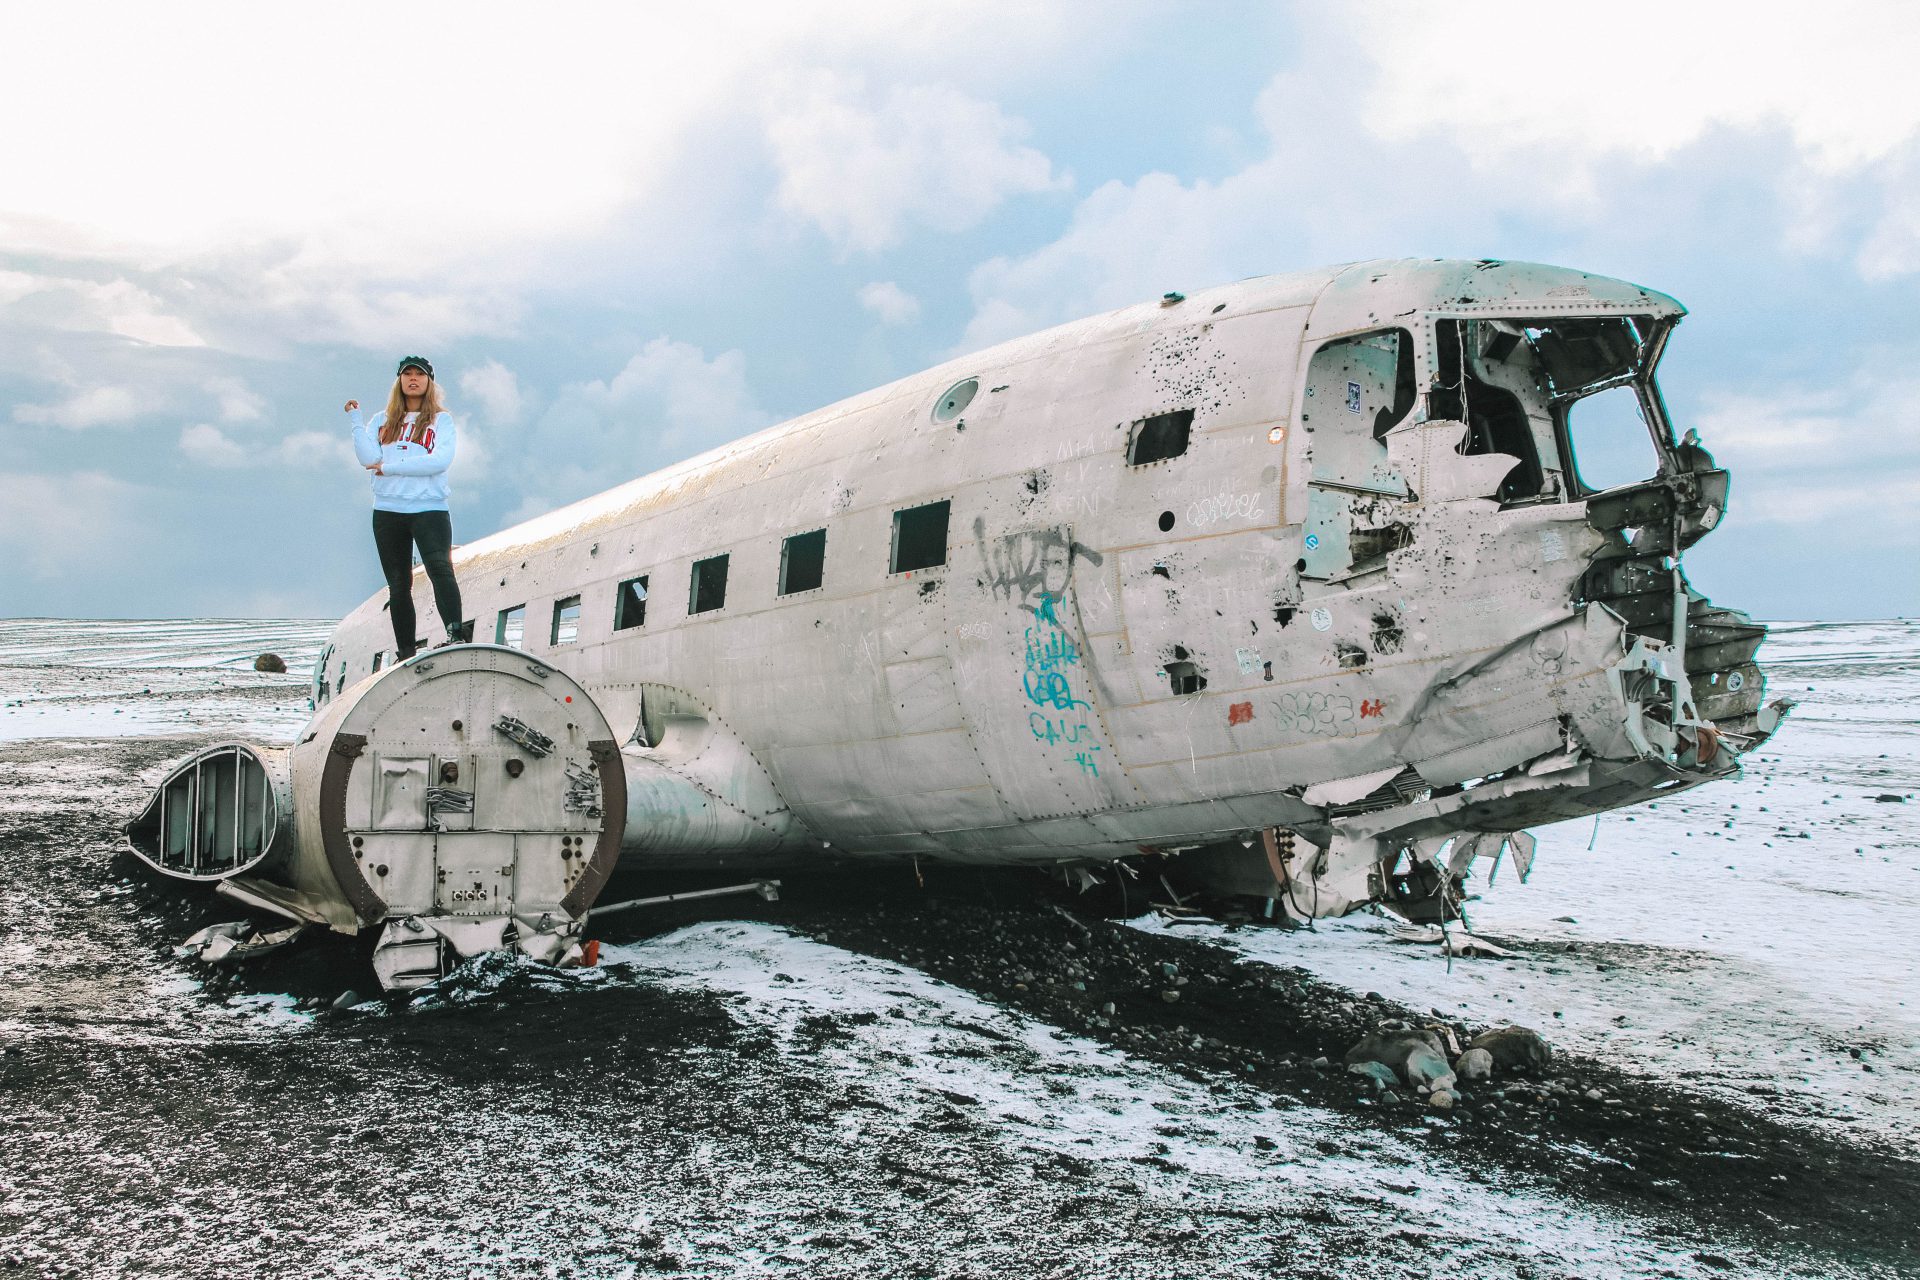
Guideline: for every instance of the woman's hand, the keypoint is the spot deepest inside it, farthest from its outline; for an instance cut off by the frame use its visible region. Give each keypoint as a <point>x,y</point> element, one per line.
<point>351,406</point>
<point>375,468</point>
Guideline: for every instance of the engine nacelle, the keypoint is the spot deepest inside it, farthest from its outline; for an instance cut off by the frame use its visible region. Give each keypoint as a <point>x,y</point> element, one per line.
<point>470,799</point>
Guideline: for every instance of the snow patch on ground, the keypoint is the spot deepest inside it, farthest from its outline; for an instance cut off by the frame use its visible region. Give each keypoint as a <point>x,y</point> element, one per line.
<point>83,678</point>
<point>1213,1142</point>
<point>1745,937</point>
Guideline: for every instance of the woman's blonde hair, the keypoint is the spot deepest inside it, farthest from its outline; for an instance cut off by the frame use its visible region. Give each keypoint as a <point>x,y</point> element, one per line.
<point>431,407</point>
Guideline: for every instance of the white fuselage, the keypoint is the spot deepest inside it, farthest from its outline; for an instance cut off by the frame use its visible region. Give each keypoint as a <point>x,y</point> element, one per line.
<point>1114,653</point>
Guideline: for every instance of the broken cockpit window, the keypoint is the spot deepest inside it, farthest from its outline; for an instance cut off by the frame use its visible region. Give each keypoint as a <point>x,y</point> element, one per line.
<point>1358,389</point>
<point>1561,396</point>
<point>1608,438</point>
<point>1488,376</point>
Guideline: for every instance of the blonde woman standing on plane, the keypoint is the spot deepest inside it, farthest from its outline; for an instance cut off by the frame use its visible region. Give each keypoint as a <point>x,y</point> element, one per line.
<point>408,449</point>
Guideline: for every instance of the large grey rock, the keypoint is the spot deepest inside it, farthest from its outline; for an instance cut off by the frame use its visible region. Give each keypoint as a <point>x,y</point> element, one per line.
<point>1426,1068</point>
<point>1514,1048</point>
<point>1379,1074</point>
<point>270,662</point>
<point>1474,1064</point>
<point>1416,1056</point>
<point>1391,1047</point>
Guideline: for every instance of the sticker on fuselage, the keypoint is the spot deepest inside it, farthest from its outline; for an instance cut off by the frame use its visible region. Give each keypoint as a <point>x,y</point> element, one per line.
<point>1353,397</point>
<point>1322,619</point>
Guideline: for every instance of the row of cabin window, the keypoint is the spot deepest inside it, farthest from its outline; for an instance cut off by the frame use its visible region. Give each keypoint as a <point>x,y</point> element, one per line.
<point>919,542</point>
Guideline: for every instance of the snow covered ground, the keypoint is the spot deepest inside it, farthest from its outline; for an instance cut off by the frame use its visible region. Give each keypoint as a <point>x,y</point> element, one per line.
<point>1747,937</point>
<point>93,678</point>
<point>732,1099</point>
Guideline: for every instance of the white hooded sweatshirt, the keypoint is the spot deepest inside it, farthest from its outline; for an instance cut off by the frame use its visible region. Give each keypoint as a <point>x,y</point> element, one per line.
<point>413,469</point>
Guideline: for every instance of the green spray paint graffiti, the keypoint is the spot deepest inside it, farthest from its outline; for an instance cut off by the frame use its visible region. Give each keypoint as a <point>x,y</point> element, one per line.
<point>1052,657</point>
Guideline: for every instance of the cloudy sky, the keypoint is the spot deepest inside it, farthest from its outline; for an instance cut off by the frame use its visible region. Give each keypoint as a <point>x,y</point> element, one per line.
<point>626,234</point>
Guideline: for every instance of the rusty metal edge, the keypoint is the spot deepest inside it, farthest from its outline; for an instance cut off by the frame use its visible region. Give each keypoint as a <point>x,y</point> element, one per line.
<point>613,826</point>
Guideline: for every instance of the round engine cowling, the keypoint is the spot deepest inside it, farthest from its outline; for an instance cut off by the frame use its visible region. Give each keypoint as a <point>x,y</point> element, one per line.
<point>472,797</point>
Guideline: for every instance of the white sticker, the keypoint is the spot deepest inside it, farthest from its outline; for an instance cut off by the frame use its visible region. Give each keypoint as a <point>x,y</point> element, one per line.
<point>1249,660</point>
<point>1322,619</point>
<point>1353,397</point>
<point>1553,546</point>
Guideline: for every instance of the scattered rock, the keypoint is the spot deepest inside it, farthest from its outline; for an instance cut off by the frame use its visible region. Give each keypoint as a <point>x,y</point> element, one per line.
<point>270,662</point>
<point>1515,1048</point>
<point>1890,798</point>
<point>1474,1064</point>
<point>1171,995</point>
<point>1441,1099</point>
<point>1391,1046</point>
<point>1381,1075</point>
<point>348,1000</point>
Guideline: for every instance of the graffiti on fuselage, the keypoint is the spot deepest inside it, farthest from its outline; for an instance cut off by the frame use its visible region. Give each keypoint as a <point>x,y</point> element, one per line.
<point>1057,717</point>
<point>1023,568</point>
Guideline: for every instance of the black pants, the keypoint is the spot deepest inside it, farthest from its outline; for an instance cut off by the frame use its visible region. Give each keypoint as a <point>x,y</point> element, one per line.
<point>395,535</point>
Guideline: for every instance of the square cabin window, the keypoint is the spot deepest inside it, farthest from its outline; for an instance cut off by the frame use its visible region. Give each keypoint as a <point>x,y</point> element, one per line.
<point>707,590</point>
<point>566,621</point>
<point>1163,436</point>
<point>511,627</point>
<point>919,537</point>
<point>630,604</point>
<point>803,562</point>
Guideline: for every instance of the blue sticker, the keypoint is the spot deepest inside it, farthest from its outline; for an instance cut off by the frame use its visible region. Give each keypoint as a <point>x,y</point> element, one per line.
<point>1313,542</point>
<point>1353,397</point>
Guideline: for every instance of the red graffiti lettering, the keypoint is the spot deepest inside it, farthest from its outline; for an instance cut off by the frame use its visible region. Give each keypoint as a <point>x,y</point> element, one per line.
<point>1240,713</point>
<point>1371,707</point>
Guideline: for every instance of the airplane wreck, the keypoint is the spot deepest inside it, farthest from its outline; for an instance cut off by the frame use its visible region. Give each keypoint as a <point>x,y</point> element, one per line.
<point>1306,579</point>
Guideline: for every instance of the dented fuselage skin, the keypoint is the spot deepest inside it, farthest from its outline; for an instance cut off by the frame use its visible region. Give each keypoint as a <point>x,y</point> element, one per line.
<point>1364,607</point>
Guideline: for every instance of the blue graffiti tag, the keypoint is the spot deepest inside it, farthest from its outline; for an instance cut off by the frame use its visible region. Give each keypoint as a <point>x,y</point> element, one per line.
<point>1051,654</point>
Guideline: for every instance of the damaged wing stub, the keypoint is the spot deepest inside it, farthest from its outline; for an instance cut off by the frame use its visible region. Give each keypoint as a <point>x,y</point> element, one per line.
<point>466,802</point>
<point>1615,725</point>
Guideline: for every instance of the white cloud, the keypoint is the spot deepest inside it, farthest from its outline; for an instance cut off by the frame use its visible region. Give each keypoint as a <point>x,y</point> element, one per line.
<point>238,402</point>
<point>59,525</point>
<point>116,306</point>
<point>887,300</point>
<point>692,403</point>
<point>1126,243</point>
<point>96,406</point>
<point>526,126</point>
<point>862,166</point>
<point>1865,417</point>
<point>1804,454</point>
<point>1643,78</point>
<point>314,449</point>
<point>209,446</point>
<point>667,403</point>
<point>495,388</point>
